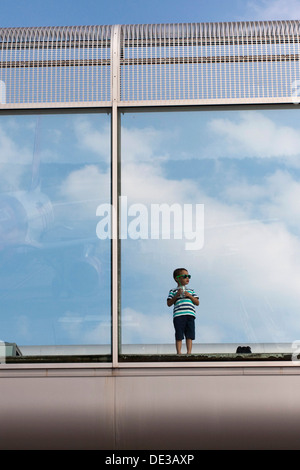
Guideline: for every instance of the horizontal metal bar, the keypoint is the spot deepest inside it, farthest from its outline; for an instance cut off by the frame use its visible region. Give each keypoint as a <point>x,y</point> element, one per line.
<point>148,104</point>
<point>190,103</point>
<point>150,61</point>
<point>54,63</point>
<point>211,59</point>
<point>144,42</point>
<point>46,44</point>
<point>207,41</point>
<point>55,105</point>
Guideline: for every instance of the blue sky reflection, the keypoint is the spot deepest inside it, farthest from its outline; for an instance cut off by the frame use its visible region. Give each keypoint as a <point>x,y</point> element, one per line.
<point>244,167</point>
<point>55,273</point>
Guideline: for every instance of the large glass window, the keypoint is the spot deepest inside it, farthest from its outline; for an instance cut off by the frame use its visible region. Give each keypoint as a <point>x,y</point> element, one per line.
<point>54,270</point>
<point>242,167</point>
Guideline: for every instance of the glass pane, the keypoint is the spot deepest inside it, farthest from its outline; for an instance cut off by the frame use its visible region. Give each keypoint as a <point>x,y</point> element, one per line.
<point>55,272</point>
<point>242,167</point>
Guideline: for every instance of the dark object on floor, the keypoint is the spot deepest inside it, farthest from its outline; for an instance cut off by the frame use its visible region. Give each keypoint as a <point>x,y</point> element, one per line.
<point>244,349</point>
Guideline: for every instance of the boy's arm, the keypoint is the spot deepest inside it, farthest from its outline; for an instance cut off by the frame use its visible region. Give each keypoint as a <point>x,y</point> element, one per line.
<point>194,299</point>
<point>171,300</point>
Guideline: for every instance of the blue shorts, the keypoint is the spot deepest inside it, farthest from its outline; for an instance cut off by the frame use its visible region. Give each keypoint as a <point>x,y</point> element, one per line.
<point>184,327</point>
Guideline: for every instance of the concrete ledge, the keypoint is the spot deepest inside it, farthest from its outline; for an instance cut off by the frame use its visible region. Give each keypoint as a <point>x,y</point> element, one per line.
<point>155,358</point>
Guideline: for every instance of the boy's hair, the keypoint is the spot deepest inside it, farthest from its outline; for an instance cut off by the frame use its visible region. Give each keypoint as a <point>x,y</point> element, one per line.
<point>177,272</point>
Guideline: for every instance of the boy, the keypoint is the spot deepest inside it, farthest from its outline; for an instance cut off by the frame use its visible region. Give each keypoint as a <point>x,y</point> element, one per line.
<point>184,300</point>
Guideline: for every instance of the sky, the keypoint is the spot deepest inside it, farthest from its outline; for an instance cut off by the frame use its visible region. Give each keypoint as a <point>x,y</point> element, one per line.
<point>89,12</point>
<point>236,164</point>
<point>243,166</point>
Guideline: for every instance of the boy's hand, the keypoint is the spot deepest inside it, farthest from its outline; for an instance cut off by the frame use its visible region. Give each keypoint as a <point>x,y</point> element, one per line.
<point>193,299</point>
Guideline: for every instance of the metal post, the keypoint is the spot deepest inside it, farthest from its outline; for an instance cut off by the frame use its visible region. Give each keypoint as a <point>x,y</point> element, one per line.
<point>115,154</point>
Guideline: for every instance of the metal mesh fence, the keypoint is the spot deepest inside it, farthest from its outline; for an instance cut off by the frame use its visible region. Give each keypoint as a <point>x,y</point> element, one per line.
<point>156,64</point>
<point>209,61</point>
<point>55,65</point>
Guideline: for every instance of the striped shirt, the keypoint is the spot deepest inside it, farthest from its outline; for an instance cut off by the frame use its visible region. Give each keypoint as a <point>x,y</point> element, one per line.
<point>183,306</point>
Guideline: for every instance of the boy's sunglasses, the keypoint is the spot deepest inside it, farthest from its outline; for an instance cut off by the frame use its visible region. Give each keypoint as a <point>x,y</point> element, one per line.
<point>184,276</point>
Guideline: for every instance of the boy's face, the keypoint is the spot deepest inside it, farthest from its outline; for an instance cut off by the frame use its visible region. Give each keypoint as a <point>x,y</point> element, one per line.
<point>183,278</point>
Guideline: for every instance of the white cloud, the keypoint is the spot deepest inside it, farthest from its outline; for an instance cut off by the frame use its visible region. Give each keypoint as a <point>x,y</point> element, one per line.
<point>283,193</point>
<point>12,158</point>
<point>274,200</point>
<point>87,183</point>
<point>254,135</point>
<point>143,144</point>
<point>146,183</point>
<point>273,10</point>
<point>95,140</point>
<point>139,327</point>
<point>76,326</point>
<point>137,144</point>
<point>79,196</point>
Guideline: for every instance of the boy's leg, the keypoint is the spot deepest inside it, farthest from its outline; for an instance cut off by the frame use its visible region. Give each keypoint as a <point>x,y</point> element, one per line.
<point>178,333</point>
<point>190,334</point>
<point>189,344</point>
<point>178,346</point>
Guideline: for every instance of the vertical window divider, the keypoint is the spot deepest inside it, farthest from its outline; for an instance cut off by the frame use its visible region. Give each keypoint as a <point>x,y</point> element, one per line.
<point>115,158</point>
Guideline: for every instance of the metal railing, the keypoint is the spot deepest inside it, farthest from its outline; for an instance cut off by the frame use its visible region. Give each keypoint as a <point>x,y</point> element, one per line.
<point>197,63</point>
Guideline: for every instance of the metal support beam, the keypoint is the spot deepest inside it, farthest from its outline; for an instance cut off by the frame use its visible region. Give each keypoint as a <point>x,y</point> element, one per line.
<point>115,158</point>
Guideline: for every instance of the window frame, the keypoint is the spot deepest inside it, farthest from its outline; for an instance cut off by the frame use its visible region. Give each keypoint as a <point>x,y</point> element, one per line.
<point>117,360</point>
